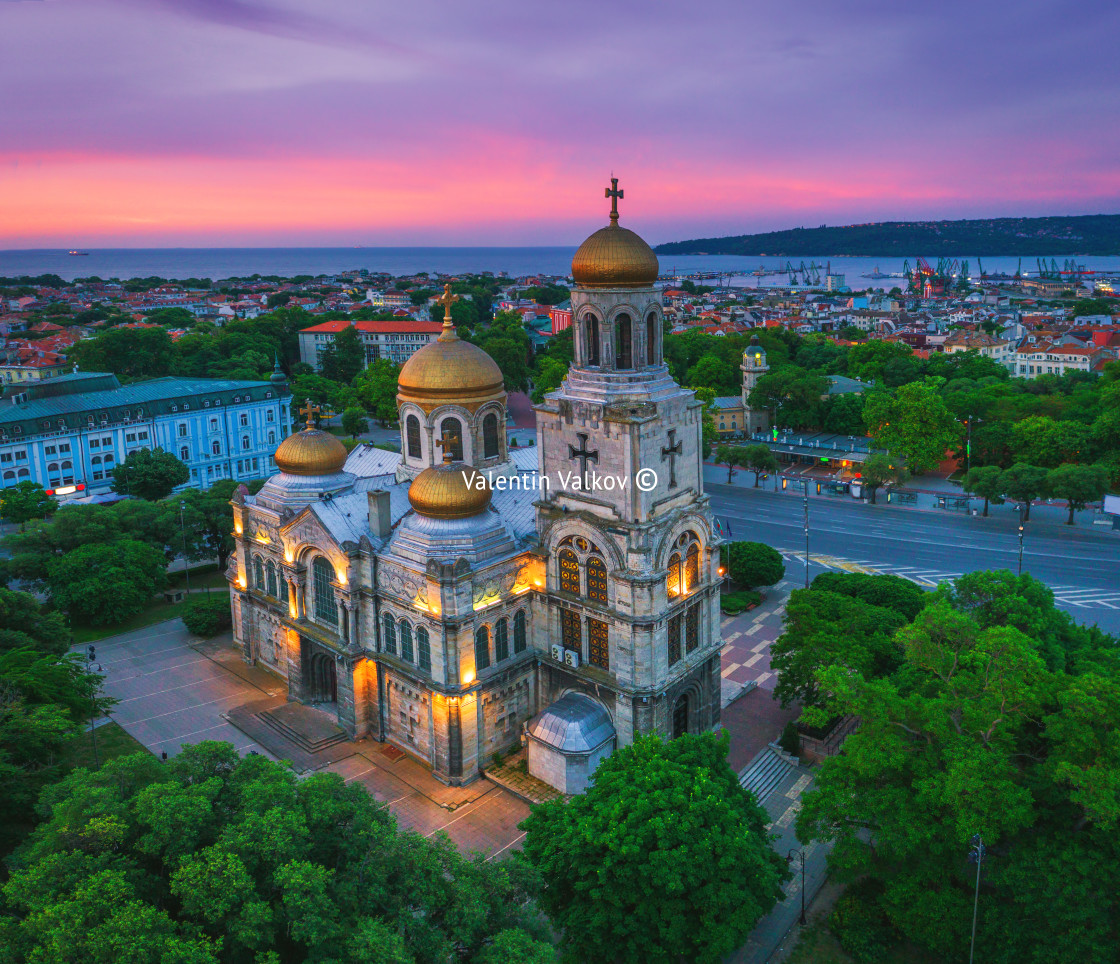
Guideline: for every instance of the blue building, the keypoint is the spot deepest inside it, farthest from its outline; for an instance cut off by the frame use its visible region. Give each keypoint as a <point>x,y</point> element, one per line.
<point>68,433</point>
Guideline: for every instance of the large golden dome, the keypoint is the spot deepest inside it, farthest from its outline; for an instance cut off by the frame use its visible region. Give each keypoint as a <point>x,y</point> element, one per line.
<point>453,490</point>
<point>614,257</point>
<point>450,369</point>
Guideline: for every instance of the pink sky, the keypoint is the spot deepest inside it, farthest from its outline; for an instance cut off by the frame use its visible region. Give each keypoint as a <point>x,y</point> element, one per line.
<point>231,122</point>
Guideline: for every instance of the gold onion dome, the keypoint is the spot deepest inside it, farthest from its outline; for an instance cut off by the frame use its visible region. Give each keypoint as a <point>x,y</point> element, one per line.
<point>614,257</point>
<point>453,490</point>
<point>450,369</point>
<point>311,451</point>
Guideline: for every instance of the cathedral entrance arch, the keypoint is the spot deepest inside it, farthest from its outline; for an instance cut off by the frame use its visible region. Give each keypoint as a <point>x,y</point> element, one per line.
<point>322,682</point>
<point>680,716</point>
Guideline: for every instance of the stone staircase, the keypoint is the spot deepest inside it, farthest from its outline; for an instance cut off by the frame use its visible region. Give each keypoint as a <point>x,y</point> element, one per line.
<point>310,739</point>
<point>768,771</point>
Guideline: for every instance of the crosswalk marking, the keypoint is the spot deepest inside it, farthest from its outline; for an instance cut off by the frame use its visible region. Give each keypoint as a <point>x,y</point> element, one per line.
<point>1081,597</point>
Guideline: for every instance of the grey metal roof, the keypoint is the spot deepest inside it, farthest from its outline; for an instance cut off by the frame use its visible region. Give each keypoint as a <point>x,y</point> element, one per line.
<point>191,390</point>
<point>573,724</point>
<point>843,385</point>
<point>728,401</point>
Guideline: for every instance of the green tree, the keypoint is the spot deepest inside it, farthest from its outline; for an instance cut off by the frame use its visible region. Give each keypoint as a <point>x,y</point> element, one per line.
<point>732,456</point>
<point>149,474</point>
<point>1040,440</point>
<point>344,357</point>
<point>1077,484</point>
<point>25,501</point>
<point>354,421</point>
<point>877,470</point>
<point>985,481</point>
<point>24,624</point>
<point>664,858</point>
<point>317,389</point>
<point>791,396</point>
<point>825,628</point>
<point>131,353</point>
<point>376,388</point>
<point>913,423</point>
<point>718,374</point>
<point>754,564</point>
<point>759,459</point>
<point>104,584</point>
<point>889,591</point>
<point>551,372</point>
<point>1023,483</point>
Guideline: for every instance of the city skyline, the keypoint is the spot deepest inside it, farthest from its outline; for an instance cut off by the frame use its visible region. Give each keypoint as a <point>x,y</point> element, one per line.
<point>202,123</point>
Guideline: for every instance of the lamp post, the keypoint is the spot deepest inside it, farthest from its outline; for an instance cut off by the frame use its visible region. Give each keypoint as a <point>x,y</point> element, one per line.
<point>976,856</point>
<point>183,530</point>
<point>93,667</point>
<point>806,483</point>
<point>1021,529</point>
<point>968,443</point>
<point>789,860</point>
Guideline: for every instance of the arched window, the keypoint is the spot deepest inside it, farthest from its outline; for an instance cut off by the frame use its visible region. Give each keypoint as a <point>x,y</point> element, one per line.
<point>412,429</point>
<point>598,649</point>
<point>390,634</point>
<point>673,580</point>
<point>501,640</point>
<point>570,632</point>
<point>52,469</point>
<point>481,649</point>
<point>651,338</point>
<point>692,629</point>
<point>258,573</point>
<point>284,594</point>
<point>271,580</point>
<point>674,639</point>
<point>451,432</point>
<point>67,466</point>
<point>593,340</point>
<point>623,353</point>
<point>569,572</point>
<point>596,580</point>
<point>108,460</point>
<point>490,436</point>
<point>9,476</point>
<point>691,567</point>
<point>184,454</point>
<point>406,640</point>
<point>24,474</point>
<point>326,609</point>
<point>519,632</point>
<point>423,650</point>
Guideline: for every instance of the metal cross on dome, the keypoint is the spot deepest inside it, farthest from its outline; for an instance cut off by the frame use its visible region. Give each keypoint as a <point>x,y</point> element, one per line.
<point>311,410</point>
<point>447,299</point>
<point>447,443</point>
<point>615,195</point>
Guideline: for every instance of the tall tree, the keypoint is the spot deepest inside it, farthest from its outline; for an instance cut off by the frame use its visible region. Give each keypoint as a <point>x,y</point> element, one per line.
<point>376,388</point>
<point>664,858</point>
<point>103,584</point>
<point>149,474</point>
<point>913,423</point>
<point>1023,483</point>
<point>759,459</point>
<point>985,481</point>
<point>25,501</point>
<point>731,456</point>
<point>1077,484</point>
<point>345,356</point>
<point>877,470</point>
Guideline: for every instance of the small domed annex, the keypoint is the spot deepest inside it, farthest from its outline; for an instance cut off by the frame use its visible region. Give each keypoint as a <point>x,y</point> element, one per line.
<point>449,491</point>
<point>311,451</point>
<point>614,257</point>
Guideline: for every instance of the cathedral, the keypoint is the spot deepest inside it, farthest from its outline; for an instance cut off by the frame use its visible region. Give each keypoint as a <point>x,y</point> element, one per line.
<point>461,598</point>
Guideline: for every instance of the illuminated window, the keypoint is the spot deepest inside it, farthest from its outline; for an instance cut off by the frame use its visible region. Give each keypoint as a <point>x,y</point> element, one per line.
<point>596,580</point>
<point>570,634</point>
<point>691,567</point>
<point>423,650</point>
<point>326,609</point>
<point>519,632</point>
<point>501,640</point>
<point>673,580</point>
<point>569,572</point>
<point>692,629</point>
<point>482,649</point>
<point>597,647</point>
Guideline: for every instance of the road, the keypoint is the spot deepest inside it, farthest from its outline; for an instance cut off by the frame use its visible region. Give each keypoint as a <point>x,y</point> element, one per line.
<point>1081,565</point>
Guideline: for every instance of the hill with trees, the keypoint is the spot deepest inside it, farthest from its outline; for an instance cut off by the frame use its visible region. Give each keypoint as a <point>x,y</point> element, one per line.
<point>1093,234</point>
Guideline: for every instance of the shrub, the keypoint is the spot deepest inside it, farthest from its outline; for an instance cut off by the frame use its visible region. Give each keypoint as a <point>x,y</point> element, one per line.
<point>888,591</point>
<point>754,564</point>
<point>860,923</point>
<point>734,603</point>
<point>790,740</point>
<point>208,616</point>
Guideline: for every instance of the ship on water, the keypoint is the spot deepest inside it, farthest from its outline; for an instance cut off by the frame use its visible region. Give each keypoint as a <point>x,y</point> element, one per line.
<point>79,253</point>
<point>878,275</point>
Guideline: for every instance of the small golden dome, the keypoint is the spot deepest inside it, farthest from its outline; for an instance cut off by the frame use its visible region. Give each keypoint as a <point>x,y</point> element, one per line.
<point>614,257</point>
<point>453,490</point>
<point>450,369</point>
<point>311,452</point>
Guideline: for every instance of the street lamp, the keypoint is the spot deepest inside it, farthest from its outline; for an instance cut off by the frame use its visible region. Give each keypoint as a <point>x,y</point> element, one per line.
<point>806,483</point>
<point>1021,528</point>
<point>968,443</point>
<point>794,852</point>
<point>183,529</point>
<point>93,667</point>
<point>976,855</point>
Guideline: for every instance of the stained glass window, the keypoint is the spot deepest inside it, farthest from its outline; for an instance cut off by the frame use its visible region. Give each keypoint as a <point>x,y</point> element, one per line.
<point>691,567</point>
<point>674,639</point>
<point>598,650</point>
<point>569,572</point>
<point>519,632</point>
<point>692,629</point>
<point>597,580</point>
<point>326,609</point>
<point>501,640</point>
<point>570,634</point>
<point>673,580</point>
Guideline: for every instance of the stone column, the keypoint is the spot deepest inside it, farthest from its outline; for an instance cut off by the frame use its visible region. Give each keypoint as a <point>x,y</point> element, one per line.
<point>296,687</point>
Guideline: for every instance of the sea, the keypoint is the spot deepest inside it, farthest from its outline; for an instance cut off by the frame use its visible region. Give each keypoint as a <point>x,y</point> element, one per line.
<point>739,271</point>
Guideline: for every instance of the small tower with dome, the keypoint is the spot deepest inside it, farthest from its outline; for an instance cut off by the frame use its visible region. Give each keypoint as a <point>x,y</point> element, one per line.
<point>754,366</point>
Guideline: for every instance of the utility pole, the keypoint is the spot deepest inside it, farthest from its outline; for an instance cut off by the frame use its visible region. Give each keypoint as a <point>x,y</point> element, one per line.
<point>975,855</point>
<point>93,667</point>
<point>1021,528</point>
<point>806,483</point>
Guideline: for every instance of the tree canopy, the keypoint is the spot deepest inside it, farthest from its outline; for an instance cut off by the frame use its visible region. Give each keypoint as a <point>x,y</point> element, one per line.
<point>149,474</point>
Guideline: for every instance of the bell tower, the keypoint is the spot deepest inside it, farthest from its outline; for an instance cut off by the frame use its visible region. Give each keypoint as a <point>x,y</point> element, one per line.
<point>622,516</point>
<point>753,368</point>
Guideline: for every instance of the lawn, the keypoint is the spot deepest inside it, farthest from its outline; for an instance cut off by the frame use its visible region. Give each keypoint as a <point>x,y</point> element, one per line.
<point>112,741</point>
<point>158,609</point>
<point>816,945</point>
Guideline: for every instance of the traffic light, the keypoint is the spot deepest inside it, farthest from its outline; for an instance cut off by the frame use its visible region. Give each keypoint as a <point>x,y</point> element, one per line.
<point>91,653</point>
